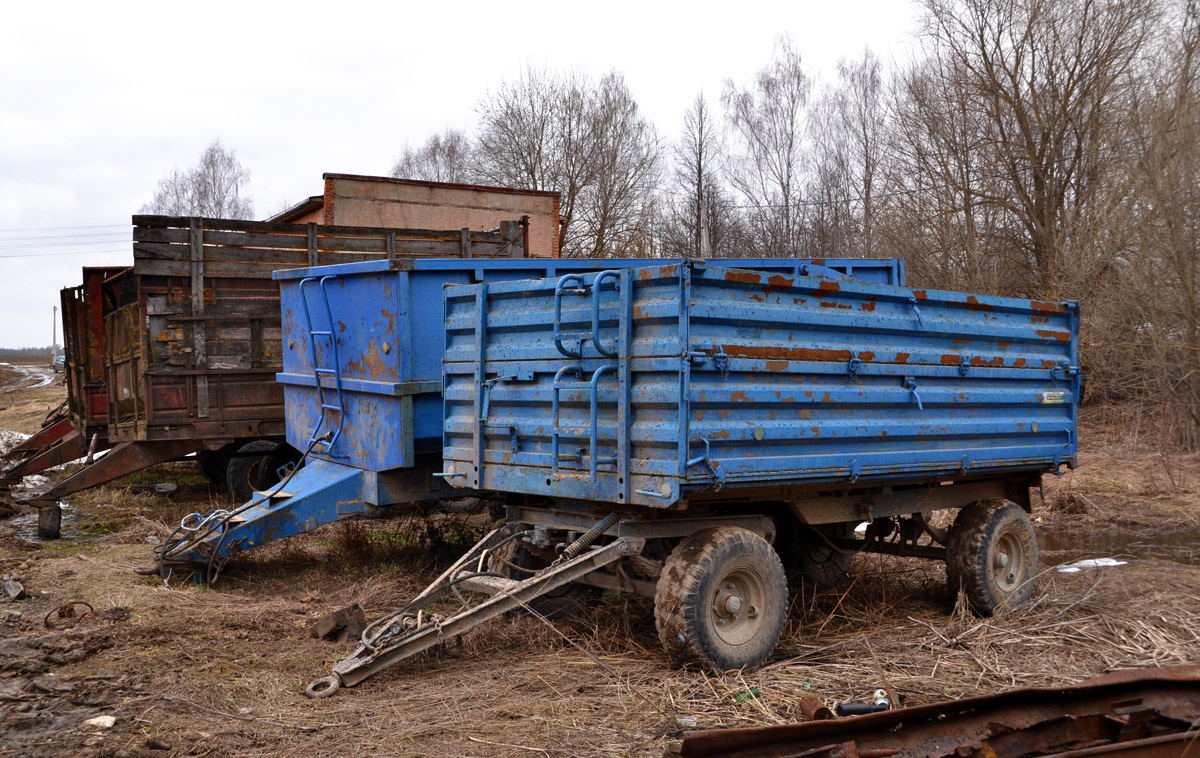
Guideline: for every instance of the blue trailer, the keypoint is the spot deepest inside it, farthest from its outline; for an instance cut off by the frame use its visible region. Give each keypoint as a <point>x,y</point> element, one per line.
<point>362,380</point>
<point>683,429</point>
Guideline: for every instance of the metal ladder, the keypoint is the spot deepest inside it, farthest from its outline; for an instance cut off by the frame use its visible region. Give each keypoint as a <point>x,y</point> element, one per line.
<point>330,437</point>
<point>575,284</point>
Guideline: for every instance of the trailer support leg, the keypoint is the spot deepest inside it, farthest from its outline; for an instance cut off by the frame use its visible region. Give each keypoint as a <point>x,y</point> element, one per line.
<point>123,459</point>
<point>403,635</point>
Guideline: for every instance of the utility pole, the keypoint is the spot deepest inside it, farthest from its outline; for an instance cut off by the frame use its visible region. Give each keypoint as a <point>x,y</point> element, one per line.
<point>54,332</point>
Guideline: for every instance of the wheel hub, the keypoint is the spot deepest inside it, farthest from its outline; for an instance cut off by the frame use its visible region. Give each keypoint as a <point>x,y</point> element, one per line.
<point>735,606</point>
<point>1008,562</point>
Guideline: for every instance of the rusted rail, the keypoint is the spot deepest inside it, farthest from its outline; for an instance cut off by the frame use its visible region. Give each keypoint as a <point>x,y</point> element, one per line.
<point>1140,712</point>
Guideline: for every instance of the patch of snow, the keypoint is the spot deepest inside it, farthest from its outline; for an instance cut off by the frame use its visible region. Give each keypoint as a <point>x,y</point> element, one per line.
<point>1077,566</point>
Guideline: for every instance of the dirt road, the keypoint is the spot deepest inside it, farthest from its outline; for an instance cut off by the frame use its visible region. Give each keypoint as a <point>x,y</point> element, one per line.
<point>184,670</point>
<point>24,376</point>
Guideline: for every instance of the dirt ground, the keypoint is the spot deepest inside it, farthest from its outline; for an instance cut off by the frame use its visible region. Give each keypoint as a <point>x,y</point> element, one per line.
<point>186,670</point>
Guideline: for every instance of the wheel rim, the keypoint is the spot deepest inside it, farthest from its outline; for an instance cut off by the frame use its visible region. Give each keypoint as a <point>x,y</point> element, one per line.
<point>1008,562</point>
<point>736,610</point>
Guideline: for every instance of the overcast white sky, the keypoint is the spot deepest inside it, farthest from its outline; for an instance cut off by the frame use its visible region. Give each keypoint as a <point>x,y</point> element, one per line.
<point>99,100</point>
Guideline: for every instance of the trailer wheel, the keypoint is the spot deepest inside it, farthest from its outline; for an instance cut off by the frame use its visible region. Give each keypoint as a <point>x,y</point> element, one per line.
<point>721,598</point>
<point>214,464</point>
<point>556,604</point>
<point>992,555</point>
<point>819,565</point>
<point>254,468</point>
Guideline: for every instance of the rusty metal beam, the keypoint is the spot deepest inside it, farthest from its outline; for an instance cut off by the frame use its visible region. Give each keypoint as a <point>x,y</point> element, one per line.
<point>1143,712</point>
<point>70,447</point>
<point>123,459</point>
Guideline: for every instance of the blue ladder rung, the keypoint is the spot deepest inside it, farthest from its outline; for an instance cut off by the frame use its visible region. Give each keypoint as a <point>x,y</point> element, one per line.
<point>331,407</point>
<point>325,371</point>
<point>321,332</point>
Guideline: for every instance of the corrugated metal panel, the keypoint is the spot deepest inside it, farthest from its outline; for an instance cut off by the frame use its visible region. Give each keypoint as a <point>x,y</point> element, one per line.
<point>387,320</point>
<point>740,378</point>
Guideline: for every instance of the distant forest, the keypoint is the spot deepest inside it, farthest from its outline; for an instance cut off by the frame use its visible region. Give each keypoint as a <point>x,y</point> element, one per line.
<point>25,352</point>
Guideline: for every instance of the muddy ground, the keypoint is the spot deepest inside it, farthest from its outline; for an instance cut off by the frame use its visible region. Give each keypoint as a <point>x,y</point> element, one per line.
<point>186,670</point>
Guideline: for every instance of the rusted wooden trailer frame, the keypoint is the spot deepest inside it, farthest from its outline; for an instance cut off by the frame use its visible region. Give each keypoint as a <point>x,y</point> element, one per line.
<point>81,424</point>
<point>191,342</point>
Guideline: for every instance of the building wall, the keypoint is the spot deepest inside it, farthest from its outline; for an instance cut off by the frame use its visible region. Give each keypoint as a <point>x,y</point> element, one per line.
<point>402,203</point>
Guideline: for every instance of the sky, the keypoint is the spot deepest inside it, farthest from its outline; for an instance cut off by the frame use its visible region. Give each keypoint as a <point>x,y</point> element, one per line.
<point>98,101</point>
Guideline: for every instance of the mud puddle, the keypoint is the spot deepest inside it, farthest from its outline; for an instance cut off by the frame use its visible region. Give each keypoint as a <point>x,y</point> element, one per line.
<point>1061,545</point>
<point>24,526</point>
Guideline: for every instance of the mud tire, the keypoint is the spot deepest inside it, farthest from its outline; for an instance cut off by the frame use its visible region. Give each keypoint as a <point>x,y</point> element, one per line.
<point>819,565</point>
<point>557,604</point>
<point>214,464</point>
<point>254,468</point>
<point>699,573</point>
<point>992,555</point>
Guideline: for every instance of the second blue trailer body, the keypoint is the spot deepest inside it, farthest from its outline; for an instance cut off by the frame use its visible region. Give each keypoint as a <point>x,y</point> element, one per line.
<point>642,386</point>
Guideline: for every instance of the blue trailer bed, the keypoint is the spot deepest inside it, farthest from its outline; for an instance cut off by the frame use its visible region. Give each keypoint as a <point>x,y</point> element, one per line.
<point>645,386</point>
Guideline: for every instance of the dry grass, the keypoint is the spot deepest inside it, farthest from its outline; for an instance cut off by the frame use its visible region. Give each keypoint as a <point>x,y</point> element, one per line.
<point>222,671</point>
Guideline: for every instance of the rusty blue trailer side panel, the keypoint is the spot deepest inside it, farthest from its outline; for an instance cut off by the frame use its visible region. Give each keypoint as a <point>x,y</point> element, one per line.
<point>653,383</point>
<point>380,361</point>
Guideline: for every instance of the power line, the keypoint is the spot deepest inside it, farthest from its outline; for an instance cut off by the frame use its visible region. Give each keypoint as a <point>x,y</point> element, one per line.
<point>62,236</point>
<point>62,244</point>
<point>58,228</point>
<point>76,252</point>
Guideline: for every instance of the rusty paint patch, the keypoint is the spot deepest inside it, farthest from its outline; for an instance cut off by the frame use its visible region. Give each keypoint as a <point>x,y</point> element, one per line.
<point>825,287</point>
<point>866,355</point>
<point>776,282</point>
<point>962,341</point>
<point>739,397</point>
<point>743,277</point>
<point>721,435</point>
<point>1004,345</point>
<point>1019,363</point>
<point>868,306</point>
<point>788,353</point>
<point>826,398</point>
<point>921,294</point>
<point>699,414</point>
<point>973,303</point>
<point>816,430</point>
<point>832,304</point>
<point>808,393</point>
<point>902,357</point>
<point>639,313</point>
<point>951,359</point>
<point>995,362</point>
<point>1047,363</point>
<point>1052,334</point>
<point>777,365</point>
<point>1040,307</point>
<point>1039,319</point>
<point>758,298</point>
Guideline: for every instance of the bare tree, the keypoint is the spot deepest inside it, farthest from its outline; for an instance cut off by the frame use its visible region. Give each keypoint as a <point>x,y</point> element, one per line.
<point>769,125</point>
<point>850,122</point>
<point>618,204</point>
<point>700,219</point>
<point>534,134</point>
<point>213,188</point>
<point>1048,79</point>
<point>589,143</point>
<point>445,157</point>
